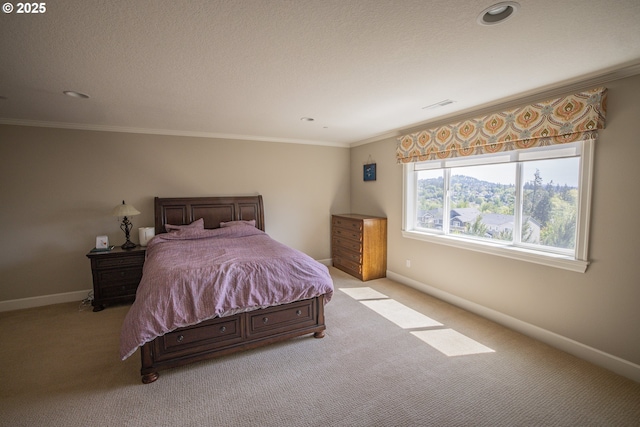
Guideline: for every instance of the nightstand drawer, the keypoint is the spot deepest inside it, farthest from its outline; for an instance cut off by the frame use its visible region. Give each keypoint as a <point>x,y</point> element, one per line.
<point>120,290</point>
<point>125,275</point>
<point>119,261</point>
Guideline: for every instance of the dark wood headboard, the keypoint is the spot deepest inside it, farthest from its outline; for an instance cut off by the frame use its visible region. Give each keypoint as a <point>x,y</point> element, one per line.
<point>214,210</point>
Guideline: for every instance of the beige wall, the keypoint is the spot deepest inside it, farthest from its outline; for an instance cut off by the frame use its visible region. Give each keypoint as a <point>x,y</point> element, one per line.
<point>600,308</point>
<point>58,187</point>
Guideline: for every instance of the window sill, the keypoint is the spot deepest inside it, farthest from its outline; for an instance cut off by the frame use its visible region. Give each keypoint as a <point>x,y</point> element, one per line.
<point>543,258</point>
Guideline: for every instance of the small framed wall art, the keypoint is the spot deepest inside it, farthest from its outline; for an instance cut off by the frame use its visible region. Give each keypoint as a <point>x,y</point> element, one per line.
<point>369,172</point>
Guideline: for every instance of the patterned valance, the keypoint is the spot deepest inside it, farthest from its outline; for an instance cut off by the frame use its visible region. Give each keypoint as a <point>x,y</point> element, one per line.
<point>557,121</point>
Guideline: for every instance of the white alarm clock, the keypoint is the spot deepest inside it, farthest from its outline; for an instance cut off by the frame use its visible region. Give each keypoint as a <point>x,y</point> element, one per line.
<point>102,242</point>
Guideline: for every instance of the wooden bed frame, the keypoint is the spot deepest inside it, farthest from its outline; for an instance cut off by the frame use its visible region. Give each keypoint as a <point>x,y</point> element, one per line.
<point>224,335</point>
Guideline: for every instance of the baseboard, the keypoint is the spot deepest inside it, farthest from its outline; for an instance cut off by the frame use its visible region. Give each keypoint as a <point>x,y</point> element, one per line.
<point>18,304</point>
<point>593,355</point>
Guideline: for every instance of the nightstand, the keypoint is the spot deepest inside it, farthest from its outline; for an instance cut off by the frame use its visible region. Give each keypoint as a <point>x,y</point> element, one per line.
<point>116,275</point>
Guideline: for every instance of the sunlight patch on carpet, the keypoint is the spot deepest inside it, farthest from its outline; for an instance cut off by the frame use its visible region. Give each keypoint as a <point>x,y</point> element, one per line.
<point>363,293</point>
<point>451,343</point>
<point>400,314</point>
<point>446,341</point>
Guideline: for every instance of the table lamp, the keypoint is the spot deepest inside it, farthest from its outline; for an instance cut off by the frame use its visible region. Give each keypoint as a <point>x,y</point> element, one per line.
<point>125,211</point>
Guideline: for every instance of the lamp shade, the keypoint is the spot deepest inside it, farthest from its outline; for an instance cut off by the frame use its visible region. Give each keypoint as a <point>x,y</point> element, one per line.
<point>124,210</point>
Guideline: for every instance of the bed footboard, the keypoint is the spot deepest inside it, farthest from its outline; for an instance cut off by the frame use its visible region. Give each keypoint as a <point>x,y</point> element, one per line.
<point>232,334</point>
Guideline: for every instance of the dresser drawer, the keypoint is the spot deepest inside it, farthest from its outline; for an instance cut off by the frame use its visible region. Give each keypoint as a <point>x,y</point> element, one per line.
<point>347,255</point>
<point>208,335</point>
<point>348,234</point>
<point>340,261</point>
<point>350,245</point>
<point>282,318</point>
<point>119,261</point>
<point>347,266</point>
<point>347,223</point>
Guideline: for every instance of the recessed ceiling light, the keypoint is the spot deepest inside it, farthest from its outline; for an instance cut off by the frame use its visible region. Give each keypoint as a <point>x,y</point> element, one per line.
<point>75,94</point>
<point>307,119</point>
<point>498,13</point>
<point>497,10</point>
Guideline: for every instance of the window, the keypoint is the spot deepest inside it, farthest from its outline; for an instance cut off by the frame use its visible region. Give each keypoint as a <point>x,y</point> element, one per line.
<point>531,205</point>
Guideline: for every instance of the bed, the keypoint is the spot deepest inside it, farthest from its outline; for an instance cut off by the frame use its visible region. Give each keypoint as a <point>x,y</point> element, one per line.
<point>231,288</point>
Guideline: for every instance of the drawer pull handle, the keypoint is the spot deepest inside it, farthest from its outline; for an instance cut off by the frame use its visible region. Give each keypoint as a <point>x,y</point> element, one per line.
<point>265,319</point>
<point>223,329</point>
<point>180,338</point>
<point>298,312</point>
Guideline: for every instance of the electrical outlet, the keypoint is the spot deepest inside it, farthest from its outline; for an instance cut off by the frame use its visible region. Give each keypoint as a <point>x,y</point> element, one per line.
<point>408,263</point>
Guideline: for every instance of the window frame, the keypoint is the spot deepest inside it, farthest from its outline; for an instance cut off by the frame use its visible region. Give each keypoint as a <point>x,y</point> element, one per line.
<point>577,261</point>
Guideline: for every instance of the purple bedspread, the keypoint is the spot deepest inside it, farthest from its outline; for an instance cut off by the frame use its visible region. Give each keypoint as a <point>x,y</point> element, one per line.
<point>192,275</point>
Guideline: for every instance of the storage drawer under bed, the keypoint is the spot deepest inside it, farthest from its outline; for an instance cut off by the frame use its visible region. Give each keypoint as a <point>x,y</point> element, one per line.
<point>226,332</point>
<point>281,318</point>
<point>208,335</point>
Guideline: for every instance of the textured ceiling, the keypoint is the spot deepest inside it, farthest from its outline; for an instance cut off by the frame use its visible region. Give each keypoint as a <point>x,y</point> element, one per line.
<point>251,69</point>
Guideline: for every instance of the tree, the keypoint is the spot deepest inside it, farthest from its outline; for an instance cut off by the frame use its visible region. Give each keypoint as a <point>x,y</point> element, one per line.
<point>560,231</point>
<point>477,228</point>
<point>506,234</point>
<point>542,208</point>
<point>537,201</point>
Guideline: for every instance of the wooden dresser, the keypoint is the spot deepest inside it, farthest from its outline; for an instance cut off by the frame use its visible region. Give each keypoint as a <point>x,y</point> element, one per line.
<point>359,245</point>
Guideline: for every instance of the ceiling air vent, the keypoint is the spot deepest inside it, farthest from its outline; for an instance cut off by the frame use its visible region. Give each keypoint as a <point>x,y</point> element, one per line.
<point>438,104</point>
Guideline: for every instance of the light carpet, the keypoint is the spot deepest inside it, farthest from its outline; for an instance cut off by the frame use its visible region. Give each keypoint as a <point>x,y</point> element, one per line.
<point>59,366</point>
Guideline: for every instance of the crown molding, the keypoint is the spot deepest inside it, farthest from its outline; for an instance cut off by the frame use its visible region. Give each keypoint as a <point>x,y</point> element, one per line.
<point>164,132</point>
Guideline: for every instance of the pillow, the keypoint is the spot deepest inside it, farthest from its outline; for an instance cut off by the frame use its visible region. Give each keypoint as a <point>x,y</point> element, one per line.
<point>197,224</point>
<point>251,222</point>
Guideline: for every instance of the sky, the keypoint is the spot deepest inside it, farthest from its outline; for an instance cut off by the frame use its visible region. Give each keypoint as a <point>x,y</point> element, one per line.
<point>562,171</point>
